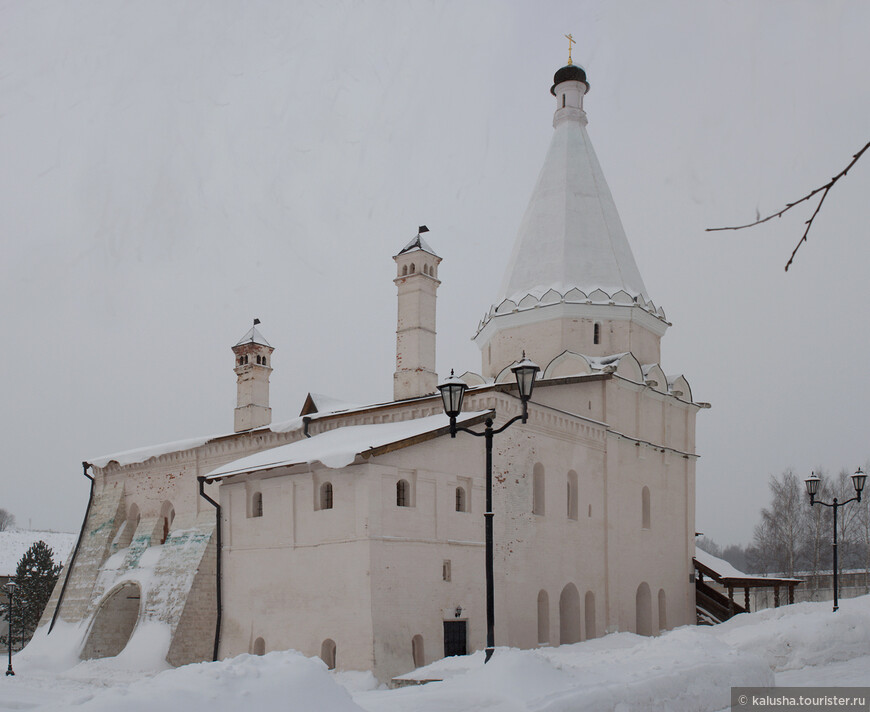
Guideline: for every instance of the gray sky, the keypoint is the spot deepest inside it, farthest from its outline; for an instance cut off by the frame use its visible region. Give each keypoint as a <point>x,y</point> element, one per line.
<point>170,170</point>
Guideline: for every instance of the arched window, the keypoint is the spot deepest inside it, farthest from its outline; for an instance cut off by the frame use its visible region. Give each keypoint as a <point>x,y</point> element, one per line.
<point>538,489</point>
<point>563,101</point>
<point>259,647</point>
<point>596,333</point>
<point>643,613</point>
<point>569,615</point>
<point>460,499</point>
<point>241,360</point>
<point>543,617</point>
<point>417,651</point>
<point>257,504</point>
<point>413,268</point>
<point>663,610</point>
<point>327,653</point>
<point>644,504</point>
<point>403,493</point>
<point>590,615</point>
<point>326,495</point>
<point>404,270</point>
<point>572,495</point>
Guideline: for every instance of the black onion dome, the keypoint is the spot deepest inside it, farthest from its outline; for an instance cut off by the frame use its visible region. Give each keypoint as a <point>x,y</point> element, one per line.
<point>569,73</point>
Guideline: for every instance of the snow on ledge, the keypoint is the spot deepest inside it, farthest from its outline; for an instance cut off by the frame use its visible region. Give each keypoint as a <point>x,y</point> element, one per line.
<point>337,448</point>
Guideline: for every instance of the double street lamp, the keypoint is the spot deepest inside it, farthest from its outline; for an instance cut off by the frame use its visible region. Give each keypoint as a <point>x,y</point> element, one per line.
<point>10,593</point>
<point>812,482</point>
<point>452,394</point>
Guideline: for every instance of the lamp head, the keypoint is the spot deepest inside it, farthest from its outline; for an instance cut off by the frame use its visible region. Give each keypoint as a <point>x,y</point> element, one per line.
<point>526,371</point>
<point>452,393</point>
<point>858,480</point>
<point>812,483</point>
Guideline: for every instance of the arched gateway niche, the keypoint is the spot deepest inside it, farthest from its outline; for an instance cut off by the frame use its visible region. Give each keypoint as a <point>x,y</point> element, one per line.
<point>113,623</point>
<point>569,615</point>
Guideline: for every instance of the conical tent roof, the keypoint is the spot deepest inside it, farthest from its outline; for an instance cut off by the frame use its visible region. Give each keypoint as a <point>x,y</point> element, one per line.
<point>253,336</point>
<point>571,234</point>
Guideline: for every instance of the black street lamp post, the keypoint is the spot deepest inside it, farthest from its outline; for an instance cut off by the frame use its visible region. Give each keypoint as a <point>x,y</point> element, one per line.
<point>452,394</point>
<point>10,592</point>
<point>812,483</point>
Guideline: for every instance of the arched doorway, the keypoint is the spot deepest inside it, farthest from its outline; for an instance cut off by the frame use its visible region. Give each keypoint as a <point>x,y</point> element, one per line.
<point>643,603</point>
<point>569,615</point>
<point>113,623</point>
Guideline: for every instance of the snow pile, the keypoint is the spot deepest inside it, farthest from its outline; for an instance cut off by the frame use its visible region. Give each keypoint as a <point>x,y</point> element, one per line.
<point>15,542</point>
<point>802,634</point>
<point>277,681</point>
<point>687,669</point>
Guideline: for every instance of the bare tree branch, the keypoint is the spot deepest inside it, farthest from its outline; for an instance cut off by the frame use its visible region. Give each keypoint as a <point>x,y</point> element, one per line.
<point>824,190</point>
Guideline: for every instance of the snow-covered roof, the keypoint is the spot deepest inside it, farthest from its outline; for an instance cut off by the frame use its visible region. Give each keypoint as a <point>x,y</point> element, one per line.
<point>253,336</point>
<point>15,542</point>
<point>571,234</point>
<point>143,454</point>
<point>322,404</point>
<point>418,243</point>
<point>727,571</point>
<point>339,447</point>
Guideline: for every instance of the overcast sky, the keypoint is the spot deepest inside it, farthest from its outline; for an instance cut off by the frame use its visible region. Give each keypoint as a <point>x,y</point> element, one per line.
<point>168,171</point>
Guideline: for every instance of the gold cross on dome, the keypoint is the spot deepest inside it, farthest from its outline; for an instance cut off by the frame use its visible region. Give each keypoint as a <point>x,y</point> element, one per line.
<point>571,41</point>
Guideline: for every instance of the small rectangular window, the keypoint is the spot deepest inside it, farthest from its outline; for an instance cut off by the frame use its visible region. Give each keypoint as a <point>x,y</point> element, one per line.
<point>445,570</point>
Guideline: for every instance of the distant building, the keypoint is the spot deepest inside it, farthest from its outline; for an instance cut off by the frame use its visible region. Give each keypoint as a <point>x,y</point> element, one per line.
<point>356,533</point>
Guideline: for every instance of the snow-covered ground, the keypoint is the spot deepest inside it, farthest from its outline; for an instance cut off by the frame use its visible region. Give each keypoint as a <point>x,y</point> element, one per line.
<point>691,668</point>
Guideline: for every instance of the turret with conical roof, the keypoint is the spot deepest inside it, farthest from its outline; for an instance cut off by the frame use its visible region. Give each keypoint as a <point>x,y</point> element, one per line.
<point>253,357</point>
<point>571,282</point>
<point>417,284</point>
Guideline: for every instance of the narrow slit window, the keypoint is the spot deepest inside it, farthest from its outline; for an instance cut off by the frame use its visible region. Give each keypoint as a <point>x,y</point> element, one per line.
<point>403,494</point>
<point>326,495</point>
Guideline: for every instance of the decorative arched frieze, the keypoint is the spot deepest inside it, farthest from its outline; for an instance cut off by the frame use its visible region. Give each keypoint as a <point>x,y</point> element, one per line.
<point>551,297</point>
<point>679,387</point>
<point>655,377</point>
<point>567,363</point>
<point>629,367</point>
<point>472,379</point>
<point>576,296</point>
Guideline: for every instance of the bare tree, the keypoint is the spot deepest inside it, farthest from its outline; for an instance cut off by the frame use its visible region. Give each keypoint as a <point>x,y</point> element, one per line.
<point>823,190</point>
<point>6,520</point>
<point>817,550</point>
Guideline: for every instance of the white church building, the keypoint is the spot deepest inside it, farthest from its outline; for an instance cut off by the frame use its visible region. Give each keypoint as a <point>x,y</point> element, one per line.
<point>357,533</point>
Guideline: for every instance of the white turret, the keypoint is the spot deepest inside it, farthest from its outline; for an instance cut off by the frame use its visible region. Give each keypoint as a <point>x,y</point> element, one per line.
<point>417,284</point>
<point>253,356</point>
